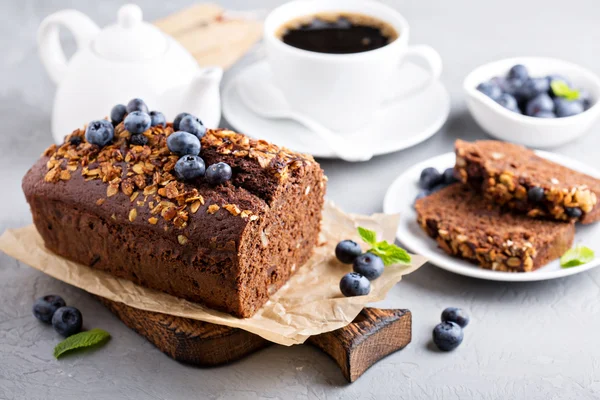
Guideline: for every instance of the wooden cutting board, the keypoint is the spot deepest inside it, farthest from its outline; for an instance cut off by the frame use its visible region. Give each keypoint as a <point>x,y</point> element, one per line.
<point>213,35</point>
<point>374,334</point>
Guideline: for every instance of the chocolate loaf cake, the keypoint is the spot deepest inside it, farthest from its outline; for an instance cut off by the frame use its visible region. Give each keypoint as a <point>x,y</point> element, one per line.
<point>465,225</point>
<point>513,176</point>
<point>120,209</point>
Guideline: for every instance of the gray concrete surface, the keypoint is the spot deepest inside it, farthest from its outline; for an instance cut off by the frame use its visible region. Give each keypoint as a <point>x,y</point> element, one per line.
<point>525,341</point>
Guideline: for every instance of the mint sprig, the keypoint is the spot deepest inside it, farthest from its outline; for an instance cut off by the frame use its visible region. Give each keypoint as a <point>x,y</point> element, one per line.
<point>81,340</point>
<point>388,252</point>
<point>576,256</point>
<point>562,89</point>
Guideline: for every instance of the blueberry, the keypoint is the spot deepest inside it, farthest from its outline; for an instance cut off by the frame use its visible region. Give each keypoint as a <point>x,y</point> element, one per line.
<point>67,321</point>
<point>100,132</point>
<point>178,119</point>
<point>183,143</point>
<point>490,89</point>
<point>75,140</point>
<point>45,307</point>
<point>447,336</point>
<point>218,173</point>
<point>137,122</point>
<point>573,212</point>
<point>449,177</point>
<point>138,140</point>
<point>157,118</point>
<point>542,102</point>
<point>518,71</point>
<point>193,125</point>
<point>567,108</point>
<point>456,315</point>
<point>544,114</point>
<point>347,250</point>
<point>535,194</point>
<point>368,265</point>
<point>429,178</point>
<point>586,98</point>
<point>137,105</point>
<point>117,114</point>
<point>509,102</point>
<point>353,284</point>
<point>189,167</point>
<point>533,87</point>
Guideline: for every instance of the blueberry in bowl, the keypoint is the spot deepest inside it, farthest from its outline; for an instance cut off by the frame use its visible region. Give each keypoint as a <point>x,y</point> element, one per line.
<point>533,101</point>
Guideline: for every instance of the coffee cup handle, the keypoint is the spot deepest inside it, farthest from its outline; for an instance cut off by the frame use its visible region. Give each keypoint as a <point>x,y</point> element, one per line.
<point>433,63</point>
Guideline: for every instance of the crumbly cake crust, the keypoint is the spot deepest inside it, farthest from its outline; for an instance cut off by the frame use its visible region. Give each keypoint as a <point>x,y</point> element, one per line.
<point>465,225</point>
<point>120,209</point>
<point>505,172</point>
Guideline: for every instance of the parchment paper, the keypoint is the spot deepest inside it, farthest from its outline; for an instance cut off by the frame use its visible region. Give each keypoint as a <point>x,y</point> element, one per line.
<point>309,304</point>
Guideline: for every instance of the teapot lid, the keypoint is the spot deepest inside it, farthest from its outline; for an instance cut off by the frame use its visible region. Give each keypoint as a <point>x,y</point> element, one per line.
<point>130,39</point>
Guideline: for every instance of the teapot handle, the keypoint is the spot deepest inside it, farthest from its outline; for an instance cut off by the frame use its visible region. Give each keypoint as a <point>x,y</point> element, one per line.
<point>50,49</point>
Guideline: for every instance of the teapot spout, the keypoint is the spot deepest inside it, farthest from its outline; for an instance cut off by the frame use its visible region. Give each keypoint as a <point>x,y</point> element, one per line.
<point>203,96</point>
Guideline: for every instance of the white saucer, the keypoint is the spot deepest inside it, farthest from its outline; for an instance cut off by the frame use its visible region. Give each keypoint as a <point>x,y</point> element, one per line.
<point>401,194</point>
<point>397,127</point>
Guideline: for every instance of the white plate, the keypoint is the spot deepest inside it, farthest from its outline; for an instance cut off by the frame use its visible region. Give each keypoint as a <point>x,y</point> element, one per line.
<point>397,127</point>
<point>400,197</point>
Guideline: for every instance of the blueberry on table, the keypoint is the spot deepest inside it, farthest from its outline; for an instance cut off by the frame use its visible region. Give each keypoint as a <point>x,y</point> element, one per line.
<point>189,167</point>
<point>573,212</point>
<point>137,122</point>
<point>183,144</point>
<point>456,315</point>
<point>218,173</point>
<point>193,125</point>
<point>138,140</point>
<point>509,102</point>
<point>353,284</point>
<point>347,250</point>
<point>535,194</point>
<point>137,105</point>
<point>178,119</point>
<point>157,118</point>
<point>100,132</point>
<point>368,265</point>
<point>542,102</point>
<point>567,108</point>
<point>117,114</point>
<point>429,178</point>
<point>490,89</point>
<point>533,87</point>
<point>447,336</point>
<point>67,321</point>
<point>45,307</point>
<point>518,71</point>
<point>544,114</point>
<point>449,177</point>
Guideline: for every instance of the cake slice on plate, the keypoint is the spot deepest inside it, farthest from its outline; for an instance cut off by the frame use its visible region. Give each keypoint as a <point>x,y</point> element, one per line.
<point>466,225</point>
<point>514,176</point>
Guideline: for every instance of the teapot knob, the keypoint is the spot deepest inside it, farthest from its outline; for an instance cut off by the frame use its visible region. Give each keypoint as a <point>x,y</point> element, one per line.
<point>129,16</point>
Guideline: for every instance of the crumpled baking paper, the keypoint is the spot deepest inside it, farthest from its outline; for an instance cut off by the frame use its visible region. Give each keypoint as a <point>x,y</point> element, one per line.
<point>310,303</point>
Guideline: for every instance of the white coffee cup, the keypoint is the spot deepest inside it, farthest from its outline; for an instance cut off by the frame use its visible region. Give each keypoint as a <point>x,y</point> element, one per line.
<point>343,91</point>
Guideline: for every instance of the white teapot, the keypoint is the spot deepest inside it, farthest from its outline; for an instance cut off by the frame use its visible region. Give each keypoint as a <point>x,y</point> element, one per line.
<point>126,60</point>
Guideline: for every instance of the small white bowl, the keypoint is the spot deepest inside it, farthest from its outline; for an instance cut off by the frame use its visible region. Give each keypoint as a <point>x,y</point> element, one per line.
<point>530,131</point>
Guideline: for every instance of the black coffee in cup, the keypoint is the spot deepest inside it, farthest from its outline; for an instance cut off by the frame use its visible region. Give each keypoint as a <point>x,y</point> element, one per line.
<point>337,33</point>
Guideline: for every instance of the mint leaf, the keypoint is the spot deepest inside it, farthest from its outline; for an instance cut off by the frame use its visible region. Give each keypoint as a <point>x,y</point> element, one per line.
<point>576,256</point>
<point>561,89</point>
<point>390,253</point>
<point>368,236</point>
<point>81,340</point>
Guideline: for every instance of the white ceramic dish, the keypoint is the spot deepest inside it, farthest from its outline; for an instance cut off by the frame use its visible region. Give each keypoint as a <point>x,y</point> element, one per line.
<point>529,131</point>
<point>394,128</point>
<point>401,194</point>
